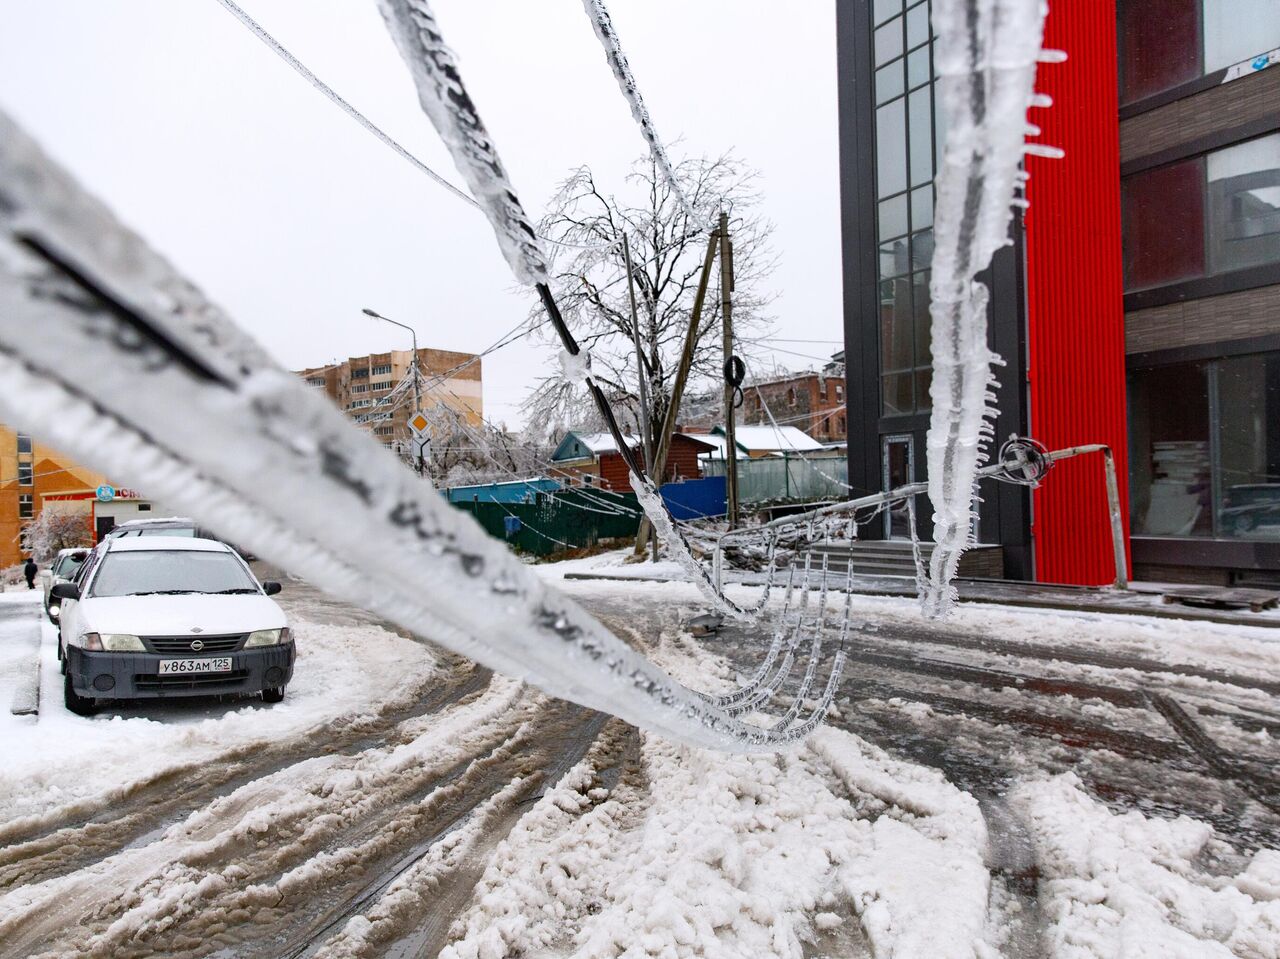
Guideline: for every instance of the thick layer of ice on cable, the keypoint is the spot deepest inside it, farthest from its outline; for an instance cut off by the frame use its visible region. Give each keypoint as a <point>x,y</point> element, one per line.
<point>447,104</point>
<point>603,26</point>
<point>985,58</point>
<point>135,374</point>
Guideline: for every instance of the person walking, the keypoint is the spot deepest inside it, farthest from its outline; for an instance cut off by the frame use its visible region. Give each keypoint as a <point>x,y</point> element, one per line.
<point>30,571</point>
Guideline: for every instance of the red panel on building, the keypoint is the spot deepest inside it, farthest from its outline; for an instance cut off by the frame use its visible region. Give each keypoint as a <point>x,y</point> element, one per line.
<point>1075,294</point>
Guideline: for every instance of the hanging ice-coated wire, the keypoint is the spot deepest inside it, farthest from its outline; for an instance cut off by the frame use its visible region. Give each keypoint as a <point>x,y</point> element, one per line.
<point>602,23</point>
<point>130,355</point>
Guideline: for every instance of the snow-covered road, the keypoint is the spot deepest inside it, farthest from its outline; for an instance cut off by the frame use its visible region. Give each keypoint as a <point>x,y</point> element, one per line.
<point>1008,783</point>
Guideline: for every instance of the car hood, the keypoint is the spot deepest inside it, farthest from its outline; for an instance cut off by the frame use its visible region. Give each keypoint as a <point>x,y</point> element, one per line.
<point>180,615</point>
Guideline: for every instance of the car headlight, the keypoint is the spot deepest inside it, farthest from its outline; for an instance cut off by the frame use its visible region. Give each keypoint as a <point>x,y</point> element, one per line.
<point>122,643</point>
<point>267,637</point>
<point>112,643</point>
<point>55,609</point>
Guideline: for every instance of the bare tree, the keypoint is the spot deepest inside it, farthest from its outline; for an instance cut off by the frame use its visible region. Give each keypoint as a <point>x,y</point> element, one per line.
<point>463,453</point>
<point>53,530</point>
<point>667,250</point>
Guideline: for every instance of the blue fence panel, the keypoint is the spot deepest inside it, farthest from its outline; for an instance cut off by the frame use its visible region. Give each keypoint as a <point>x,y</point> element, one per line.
<point>693,499</point>
<point>514,491</point>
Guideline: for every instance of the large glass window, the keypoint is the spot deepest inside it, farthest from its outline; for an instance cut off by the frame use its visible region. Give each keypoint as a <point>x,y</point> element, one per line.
<point>1203,216</point>
<point>1205,448</point>
<point>1165,43</point>
<point>906,163</point>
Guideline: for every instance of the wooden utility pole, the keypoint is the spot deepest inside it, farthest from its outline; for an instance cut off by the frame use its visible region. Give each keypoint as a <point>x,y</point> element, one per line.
<point>726,311</point>
<point>642,380</point>
<point>682,376</point>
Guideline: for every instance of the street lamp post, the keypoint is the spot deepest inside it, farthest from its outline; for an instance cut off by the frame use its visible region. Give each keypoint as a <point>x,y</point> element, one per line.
<point>417,401</point>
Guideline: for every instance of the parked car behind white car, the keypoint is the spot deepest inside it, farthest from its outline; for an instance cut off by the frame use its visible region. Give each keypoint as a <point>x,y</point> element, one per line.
<point>63,569</point>
<point>158,616</point>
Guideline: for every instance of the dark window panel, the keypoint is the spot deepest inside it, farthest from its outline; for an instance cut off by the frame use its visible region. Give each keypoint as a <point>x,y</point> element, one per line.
<point>1159,46</point>
<point>922,207</point>
<point>895,390</point>
<point>917,25</point>
<point>893,217</point>
<point>919,69</point>
<point>889,82</point>
<point>884,9</point>
<point>1244,205</point>
<point>924,379</point>
<point>891,148</point>
<point>894,260</point>
<point>897,351</point>
<point>920,110</point>
<point>1163,212</point>
<point>923,322</point>
<point>1249,447</point>
<point>889,41</point>
<point>1169,442</point>
<point>922,250</point>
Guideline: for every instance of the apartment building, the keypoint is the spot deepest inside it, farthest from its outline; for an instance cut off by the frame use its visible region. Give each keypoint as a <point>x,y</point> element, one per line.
<point>375,391</point>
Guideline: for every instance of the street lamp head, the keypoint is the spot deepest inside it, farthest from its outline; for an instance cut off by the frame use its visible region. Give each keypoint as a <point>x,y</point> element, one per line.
<point>374,313</point>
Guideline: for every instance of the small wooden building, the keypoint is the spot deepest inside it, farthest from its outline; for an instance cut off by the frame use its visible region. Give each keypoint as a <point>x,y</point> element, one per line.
<point>594,460</point>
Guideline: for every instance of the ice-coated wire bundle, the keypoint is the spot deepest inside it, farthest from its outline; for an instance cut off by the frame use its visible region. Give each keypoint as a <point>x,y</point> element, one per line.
<point>985,58</point>
<point>130,356</point>
<point>603,26</point>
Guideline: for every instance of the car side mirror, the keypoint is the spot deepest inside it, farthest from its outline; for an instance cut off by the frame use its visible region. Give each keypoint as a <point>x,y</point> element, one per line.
<point>65,591</point>
<point>270,587</point>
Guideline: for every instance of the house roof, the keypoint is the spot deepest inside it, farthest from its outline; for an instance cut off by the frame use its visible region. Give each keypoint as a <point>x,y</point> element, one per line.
<point>769,438</point>
<point>577,445</point>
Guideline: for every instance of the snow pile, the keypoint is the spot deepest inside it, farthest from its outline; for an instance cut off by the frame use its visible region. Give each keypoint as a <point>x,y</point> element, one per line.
<point>343,674</point>
<point>1127,886</point>
<point>693,852</point>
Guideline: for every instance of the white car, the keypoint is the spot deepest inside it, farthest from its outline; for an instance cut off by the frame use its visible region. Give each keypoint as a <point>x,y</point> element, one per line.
<point>63,569</point>
<point>159,616</point>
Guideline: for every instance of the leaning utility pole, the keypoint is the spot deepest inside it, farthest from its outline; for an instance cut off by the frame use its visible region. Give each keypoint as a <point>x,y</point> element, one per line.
<point>726,311</point>
<point>682,377</point>
<point>642,385</point>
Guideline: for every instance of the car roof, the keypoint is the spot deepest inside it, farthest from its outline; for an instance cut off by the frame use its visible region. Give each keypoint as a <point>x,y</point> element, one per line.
<point>157,521</point>
<point>74,549</point>
<point>134,544</point>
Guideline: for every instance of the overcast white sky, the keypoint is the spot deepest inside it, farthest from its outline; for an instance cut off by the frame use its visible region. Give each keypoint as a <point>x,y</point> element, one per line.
<point>293,218</point>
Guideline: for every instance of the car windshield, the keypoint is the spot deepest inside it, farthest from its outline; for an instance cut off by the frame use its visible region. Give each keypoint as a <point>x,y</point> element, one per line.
<point>148,572</point>
<point>68,566</point>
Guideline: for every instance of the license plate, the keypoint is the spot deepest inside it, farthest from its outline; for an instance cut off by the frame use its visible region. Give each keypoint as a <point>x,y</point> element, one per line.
<point>217,664</point>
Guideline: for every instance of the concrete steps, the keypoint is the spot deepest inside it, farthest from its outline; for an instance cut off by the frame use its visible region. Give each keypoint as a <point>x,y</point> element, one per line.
<point>893,558</point>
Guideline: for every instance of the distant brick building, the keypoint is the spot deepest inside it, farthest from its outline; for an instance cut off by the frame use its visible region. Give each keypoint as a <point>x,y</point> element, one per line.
<point>812,402</point>
<point>358,385</point>
<point>34,478</point>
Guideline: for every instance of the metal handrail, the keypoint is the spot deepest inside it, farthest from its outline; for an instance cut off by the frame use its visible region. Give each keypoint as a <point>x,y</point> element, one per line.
<point>915,489</point>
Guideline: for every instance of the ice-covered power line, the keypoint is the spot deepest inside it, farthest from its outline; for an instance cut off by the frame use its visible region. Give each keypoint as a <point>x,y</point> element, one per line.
<point>985,56</point>
<point>120,328</point>
<point>301,69</point>
<point>603,26</point>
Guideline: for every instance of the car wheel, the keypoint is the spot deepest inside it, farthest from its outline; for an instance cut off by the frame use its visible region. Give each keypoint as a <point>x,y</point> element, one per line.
<point>274,695</point>
<point>80,705</point>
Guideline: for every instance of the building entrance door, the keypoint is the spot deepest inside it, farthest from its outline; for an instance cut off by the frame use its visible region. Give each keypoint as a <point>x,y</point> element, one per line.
<point>898,462</point>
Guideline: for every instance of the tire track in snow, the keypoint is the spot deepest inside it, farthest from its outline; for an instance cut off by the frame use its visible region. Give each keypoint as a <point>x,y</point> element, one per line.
<point>151,805</point>
<point>270,853</point>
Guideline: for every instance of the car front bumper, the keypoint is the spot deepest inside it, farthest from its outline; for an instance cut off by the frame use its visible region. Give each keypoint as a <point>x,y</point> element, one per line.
<point>104,675</point>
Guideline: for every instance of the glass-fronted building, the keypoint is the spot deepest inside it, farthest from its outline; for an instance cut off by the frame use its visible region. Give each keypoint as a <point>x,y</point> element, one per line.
<point>1138,303</point>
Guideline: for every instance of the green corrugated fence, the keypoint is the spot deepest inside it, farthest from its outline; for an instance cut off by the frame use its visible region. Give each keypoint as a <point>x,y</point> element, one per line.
<point>571,518</point>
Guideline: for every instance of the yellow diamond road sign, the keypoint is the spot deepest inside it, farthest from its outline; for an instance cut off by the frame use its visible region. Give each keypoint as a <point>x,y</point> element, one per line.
<point>418,422</point>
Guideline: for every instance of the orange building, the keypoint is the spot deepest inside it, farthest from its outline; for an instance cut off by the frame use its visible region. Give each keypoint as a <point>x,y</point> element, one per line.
<point>34,477</point>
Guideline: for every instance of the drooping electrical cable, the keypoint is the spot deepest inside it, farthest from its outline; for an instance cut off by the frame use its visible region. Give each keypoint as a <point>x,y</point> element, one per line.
<point>608,36</point>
